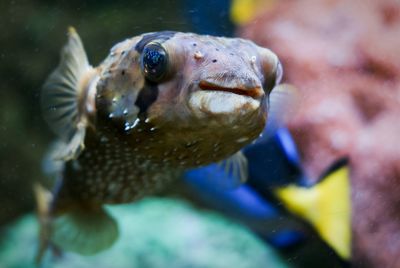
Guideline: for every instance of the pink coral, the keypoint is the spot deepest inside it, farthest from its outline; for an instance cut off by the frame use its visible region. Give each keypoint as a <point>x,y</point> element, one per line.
<point>344,58</point>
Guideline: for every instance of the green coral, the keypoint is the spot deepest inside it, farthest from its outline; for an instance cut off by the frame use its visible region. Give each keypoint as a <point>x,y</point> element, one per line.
<point>155,232</point>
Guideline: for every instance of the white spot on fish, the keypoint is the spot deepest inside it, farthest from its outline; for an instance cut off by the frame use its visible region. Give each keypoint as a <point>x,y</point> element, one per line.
<point>113,187</point>
<point>198,55</point>
<point>129,126</point>
<point>242,139</point>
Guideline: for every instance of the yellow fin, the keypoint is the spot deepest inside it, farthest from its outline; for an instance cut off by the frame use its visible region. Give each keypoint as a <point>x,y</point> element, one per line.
<point>326,206</point>
<point>243,11</point>
<point>61,91</point>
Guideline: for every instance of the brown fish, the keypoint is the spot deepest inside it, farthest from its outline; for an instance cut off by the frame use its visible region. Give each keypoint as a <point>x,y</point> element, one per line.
<point>160,103</point>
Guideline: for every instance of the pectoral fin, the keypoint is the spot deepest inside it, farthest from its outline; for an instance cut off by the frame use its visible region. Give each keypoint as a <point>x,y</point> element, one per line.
<point>71,150</point>
<point>235,169</point>
<point>61,93</point>
<point>283,100</point>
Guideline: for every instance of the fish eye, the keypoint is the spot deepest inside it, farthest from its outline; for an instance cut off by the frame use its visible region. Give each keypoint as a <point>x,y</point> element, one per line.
<point>154,61</point>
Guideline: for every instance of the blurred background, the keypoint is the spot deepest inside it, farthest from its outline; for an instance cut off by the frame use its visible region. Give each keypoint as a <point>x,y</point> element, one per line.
<point>343,56</point>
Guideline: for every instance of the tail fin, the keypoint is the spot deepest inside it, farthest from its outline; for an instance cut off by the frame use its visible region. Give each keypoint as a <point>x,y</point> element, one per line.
<point>326,206</point>
<point>86,232</point>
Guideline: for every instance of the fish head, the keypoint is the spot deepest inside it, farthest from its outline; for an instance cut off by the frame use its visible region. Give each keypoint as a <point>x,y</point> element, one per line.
<point>189,85</point>
<point>207,79</point>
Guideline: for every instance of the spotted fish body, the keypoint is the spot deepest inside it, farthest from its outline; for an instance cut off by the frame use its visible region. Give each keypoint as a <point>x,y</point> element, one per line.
<point>160,103</point>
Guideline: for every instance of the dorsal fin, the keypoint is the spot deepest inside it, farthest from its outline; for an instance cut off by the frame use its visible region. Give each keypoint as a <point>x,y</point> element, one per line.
<point>60,91</point>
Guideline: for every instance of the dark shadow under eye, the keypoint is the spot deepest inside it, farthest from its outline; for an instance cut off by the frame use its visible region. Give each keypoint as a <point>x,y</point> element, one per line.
<point>154,62</point>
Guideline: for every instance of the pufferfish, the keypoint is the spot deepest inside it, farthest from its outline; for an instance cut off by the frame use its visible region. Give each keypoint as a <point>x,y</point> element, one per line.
<point>160,103</point>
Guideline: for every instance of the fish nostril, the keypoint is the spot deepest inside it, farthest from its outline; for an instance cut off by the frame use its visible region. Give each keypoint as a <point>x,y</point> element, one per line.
<point>214,60</point>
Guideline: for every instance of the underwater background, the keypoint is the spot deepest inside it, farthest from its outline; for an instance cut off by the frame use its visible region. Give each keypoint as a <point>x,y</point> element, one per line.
<point>343,58</point>
<point>33,33</point>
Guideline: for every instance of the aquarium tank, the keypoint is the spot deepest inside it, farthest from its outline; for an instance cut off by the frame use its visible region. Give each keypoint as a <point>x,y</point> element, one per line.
<point>214,133</point>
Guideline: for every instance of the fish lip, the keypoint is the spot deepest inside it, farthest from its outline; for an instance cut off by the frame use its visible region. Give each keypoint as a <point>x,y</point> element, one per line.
<point>255,92</point>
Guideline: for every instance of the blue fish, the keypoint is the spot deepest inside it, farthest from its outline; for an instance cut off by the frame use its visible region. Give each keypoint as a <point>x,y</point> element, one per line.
<point>275,179</point>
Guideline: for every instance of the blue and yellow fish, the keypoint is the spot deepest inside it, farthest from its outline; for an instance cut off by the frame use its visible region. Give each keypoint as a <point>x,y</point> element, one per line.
<point>276,181</point>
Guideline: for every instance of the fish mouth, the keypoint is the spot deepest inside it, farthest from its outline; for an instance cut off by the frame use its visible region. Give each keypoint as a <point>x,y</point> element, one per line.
<point>253,92</point>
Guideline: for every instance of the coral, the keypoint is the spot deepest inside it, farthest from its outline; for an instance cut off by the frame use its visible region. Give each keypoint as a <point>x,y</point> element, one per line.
<point>342,55</point>
<point>155,232</point>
